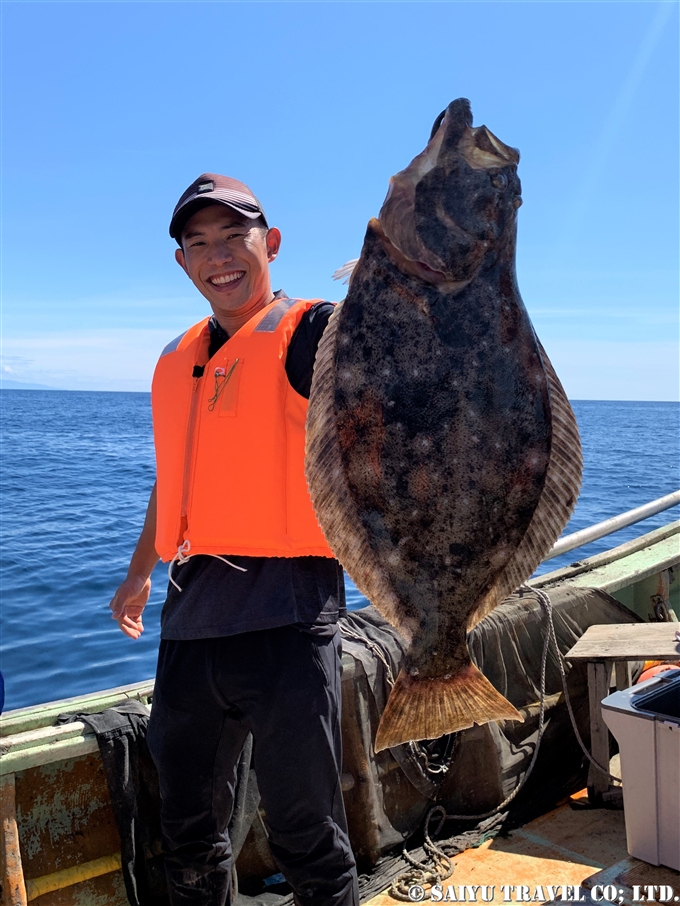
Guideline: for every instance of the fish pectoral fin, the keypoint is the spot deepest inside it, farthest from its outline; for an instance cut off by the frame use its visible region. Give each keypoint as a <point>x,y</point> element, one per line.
<point>429,707</point>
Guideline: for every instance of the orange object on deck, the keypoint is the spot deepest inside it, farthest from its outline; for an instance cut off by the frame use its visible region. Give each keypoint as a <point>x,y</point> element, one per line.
<point>658,667</point>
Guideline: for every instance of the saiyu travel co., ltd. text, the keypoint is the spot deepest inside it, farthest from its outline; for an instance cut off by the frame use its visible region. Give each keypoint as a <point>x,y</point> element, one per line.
<point>543,893</point>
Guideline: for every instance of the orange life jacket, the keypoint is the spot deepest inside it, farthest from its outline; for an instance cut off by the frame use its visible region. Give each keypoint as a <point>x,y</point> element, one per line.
<point>230,444</point>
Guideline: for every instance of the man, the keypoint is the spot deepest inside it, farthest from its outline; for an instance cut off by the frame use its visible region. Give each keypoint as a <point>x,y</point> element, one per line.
<point>248,635</point>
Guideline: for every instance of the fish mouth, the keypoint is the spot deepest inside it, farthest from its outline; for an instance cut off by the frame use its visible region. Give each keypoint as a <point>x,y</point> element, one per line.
<point>478,146</point>
<point>453,137</point>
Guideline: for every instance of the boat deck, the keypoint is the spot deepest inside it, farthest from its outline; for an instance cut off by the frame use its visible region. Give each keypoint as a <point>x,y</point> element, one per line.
<point>59,841</point>
<point>573,845</point>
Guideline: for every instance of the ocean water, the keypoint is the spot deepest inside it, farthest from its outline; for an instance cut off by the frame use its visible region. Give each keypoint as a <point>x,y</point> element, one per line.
<point>77,469</point>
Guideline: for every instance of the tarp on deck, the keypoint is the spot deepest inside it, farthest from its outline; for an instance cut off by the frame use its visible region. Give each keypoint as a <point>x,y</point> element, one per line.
<point>388,795</point>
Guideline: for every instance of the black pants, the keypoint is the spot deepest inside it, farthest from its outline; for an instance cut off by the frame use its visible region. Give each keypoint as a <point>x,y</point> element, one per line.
<point>283,685</point>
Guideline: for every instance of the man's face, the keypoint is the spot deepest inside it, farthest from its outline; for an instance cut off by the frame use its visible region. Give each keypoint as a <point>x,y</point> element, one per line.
<point>227,259</point>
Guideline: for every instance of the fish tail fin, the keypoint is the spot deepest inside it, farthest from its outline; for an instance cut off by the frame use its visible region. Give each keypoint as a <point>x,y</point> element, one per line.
<point>429,707</point>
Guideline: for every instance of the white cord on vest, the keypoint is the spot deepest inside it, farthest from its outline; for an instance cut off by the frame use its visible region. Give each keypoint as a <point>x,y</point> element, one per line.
<point>183,556</point>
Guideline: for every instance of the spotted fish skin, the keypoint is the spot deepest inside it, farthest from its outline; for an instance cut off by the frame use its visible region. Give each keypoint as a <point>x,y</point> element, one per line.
<point>443,457</point>
<point>420,426</point>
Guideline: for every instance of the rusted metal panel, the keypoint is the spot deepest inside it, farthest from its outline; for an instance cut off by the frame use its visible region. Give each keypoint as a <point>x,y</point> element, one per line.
<point>13,887</point>
<point>64,815</point>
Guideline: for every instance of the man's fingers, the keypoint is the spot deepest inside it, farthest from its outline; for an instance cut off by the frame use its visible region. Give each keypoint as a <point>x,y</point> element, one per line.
<point>116,606</point>
<point>128,603</point>
<point>130,633</point>
<point>121,599</point>
<point>131,625</point>
<point>130,595</point>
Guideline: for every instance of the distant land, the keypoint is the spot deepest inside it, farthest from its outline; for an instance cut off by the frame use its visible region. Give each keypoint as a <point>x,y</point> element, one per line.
<point>20,385</point>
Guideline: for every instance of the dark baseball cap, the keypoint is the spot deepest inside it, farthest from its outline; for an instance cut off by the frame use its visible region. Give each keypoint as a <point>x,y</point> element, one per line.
<point>211,188</point>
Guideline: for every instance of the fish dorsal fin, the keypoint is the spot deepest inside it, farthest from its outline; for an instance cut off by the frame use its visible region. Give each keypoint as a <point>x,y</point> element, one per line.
<point>330,492</point>
<point>556,504</point>
<point>345,272</point>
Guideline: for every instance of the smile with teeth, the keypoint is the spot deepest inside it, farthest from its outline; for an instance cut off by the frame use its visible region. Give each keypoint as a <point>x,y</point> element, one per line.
<point>223,279</point>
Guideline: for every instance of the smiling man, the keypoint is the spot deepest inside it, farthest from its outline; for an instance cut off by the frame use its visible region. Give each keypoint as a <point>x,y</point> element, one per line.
<point>249,641</point>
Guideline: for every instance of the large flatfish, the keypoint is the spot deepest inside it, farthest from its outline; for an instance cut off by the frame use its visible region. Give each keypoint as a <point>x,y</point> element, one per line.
<point>443,458</point>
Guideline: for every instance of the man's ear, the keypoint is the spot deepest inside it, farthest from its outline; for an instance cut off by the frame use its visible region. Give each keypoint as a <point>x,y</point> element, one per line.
<point>179,258</point>
<point>273,241</point>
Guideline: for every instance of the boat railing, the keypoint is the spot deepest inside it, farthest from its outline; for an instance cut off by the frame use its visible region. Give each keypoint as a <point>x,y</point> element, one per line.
<point>609,526</point>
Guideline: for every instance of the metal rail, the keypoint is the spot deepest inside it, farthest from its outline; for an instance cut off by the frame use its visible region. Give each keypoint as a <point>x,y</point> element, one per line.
<point>594,532</point>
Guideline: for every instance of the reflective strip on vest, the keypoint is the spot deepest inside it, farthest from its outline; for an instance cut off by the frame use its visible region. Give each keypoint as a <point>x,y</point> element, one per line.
<point>272,319</point>
<point>173,344</point>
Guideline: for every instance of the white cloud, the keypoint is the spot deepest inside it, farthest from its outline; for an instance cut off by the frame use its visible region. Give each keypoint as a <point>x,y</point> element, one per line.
<point>118,359</point>
<point>124,359</point>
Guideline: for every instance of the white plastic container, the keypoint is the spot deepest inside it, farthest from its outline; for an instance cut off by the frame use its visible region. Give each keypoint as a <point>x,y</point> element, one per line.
<point>646,723</point>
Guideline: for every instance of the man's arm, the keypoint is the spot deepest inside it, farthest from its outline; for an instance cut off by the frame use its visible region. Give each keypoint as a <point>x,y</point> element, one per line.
<point>303,346</point>
<point>130,599</point>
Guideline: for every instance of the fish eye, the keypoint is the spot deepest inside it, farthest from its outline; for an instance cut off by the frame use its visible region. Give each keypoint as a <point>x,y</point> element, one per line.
<point>499,181</point>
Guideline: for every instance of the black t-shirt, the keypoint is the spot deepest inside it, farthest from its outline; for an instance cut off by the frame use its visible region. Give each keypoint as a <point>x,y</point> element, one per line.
<point>218,600</point>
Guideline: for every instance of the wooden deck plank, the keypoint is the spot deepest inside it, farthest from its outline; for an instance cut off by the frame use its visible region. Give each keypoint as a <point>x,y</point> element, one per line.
<point>627,642</point>
<point>566,846</point>
<point>599,676</point>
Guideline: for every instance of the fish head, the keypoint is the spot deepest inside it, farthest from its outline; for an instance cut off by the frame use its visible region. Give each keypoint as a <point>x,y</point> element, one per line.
<point>453,210</point>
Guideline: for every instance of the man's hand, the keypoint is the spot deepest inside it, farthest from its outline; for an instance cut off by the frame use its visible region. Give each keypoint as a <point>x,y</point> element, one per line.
<point>130,600</point>
<point>128,603</point>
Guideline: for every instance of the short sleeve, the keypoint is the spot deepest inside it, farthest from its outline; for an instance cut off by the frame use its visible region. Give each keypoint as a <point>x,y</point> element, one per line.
<point>303,346</point>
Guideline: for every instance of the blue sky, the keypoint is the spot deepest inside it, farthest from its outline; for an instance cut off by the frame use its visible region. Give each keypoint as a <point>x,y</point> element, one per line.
<point>112,109</point>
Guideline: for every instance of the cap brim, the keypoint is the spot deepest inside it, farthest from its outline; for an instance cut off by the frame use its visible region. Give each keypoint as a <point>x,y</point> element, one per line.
<point>198,202</point>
